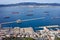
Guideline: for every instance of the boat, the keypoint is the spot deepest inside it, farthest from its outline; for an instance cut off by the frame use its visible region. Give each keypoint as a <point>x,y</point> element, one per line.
<point>19,21</point>
<point>46,12</point>
<point>7,17</point>
<point>29,15</point>
<point>15,12</point>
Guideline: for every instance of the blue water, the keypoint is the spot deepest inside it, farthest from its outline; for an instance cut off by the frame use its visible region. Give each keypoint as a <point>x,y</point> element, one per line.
<point>37,12</point>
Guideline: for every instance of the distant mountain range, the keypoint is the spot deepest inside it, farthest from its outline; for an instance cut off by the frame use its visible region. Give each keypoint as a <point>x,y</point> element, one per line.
<point>31,3</point>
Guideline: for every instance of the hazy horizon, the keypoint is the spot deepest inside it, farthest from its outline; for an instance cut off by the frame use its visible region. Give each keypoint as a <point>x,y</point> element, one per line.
<point>20,1</point>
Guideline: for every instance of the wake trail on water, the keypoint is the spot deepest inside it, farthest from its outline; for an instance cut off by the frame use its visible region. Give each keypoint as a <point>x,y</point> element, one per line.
<point>19,21</point>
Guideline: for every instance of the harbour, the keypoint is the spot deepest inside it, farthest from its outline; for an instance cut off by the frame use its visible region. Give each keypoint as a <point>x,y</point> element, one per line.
<point>29,20</point>
<point>26,16</point>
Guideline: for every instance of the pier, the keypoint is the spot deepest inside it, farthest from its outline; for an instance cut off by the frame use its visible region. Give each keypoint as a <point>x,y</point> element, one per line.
<point>50,26</point>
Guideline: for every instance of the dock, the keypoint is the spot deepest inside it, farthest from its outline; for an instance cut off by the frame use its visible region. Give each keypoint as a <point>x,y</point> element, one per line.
<point>50,26</point>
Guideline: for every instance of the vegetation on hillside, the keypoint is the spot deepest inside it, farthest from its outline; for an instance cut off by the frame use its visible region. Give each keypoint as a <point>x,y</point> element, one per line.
<point>18,38</point>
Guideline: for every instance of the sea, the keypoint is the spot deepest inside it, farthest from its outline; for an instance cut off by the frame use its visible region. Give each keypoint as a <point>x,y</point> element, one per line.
<point>49,16</point>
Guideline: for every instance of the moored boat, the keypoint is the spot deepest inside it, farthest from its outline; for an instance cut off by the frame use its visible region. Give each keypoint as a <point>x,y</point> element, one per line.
<point>46,12</point>
<point>15,12</point>
<point>29,15</point>
<point>7,17</point>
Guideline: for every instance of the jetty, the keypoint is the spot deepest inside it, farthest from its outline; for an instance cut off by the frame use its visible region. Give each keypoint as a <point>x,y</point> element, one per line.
<point>49,26</point>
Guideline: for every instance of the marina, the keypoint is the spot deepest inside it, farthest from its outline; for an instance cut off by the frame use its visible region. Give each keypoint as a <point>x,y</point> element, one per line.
<point>52,27</point>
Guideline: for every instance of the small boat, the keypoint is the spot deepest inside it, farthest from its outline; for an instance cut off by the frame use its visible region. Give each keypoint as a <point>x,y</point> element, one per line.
<point>15,12</point>
<point>19,21</point>
<point>29,15</point>
<point>7,17</point>
<point>46,12</point>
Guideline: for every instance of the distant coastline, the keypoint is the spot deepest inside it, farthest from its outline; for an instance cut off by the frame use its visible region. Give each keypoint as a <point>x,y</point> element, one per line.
<point>30,3</point>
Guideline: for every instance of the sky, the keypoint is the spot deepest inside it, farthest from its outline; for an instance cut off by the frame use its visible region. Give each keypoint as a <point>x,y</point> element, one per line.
<point>18,1</point>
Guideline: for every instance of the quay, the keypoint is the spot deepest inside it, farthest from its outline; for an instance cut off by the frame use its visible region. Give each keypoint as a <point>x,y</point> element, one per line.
<point>49,26</point>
